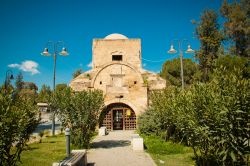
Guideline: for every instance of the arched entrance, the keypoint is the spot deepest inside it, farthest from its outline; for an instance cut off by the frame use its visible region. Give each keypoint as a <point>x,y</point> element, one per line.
<point>118,116</point>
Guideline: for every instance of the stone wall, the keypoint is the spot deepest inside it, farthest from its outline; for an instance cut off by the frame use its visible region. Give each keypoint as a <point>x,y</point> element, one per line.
<point>121,81</point>
<point>103,49</point>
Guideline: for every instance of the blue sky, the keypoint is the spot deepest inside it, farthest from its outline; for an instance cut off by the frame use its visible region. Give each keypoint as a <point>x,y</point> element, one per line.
<point>27,25</point>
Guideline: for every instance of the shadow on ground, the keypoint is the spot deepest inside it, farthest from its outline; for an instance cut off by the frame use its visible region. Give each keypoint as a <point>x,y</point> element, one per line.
<point>110,144</point>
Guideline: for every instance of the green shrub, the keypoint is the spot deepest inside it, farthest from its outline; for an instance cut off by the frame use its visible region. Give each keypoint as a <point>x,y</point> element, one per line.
<point>79,111</point>
<point>18,119</point>
<point>230,63</point>
<point>212,118</point>
<point>149,123</point>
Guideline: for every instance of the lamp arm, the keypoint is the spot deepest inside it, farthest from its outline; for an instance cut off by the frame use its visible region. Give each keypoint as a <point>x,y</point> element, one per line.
<point>185,40</point>
<point>174,40</point>
<point>54,45</point>
<point>182,42</point>
<point>59,43</point>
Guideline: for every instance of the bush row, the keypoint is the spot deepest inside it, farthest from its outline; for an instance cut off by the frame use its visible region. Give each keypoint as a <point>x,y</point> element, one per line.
<point>213,118</point>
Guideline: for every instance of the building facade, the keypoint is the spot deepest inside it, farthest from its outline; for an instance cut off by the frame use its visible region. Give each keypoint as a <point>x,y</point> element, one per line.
<point>117,71</point>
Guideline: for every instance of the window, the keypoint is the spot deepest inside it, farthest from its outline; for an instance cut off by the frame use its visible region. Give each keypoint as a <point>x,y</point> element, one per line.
<point>100,82</point>
<point>116,57</point>
<point>135,82</point>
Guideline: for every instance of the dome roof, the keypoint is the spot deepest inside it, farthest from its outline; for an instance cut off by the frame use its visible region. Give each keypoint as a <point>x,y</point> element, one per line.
<point>115,36</point>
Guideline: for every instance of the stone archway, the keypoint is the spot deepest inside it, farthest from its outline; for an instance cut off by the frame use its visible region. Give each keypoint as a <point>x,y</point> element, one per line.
<point>118,116</point>
<point>117,63</point>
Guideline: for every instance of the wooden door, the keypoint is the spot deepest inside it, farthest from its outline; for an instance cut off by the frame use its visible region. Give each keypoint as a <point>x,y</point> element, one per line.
<point>129,120</point>
<point>117,118</point>
<point>107,121</point>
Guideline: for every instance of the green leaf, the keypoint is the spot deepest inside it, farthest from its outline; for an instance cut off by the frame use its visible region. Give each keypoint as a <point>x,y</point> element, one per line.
<point>225,157</point>
<point>233,156</point>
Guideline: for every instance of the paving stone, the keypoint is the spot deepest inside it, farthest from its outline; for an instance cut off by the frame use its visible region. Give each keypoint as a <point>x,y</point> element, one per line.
<point>115,149</point>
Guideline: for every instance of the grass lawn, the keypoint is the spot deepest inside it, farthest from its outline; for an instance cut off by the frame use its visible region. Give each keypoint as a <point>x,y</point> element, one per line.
<point>51,149</point>
<point>168,153</point>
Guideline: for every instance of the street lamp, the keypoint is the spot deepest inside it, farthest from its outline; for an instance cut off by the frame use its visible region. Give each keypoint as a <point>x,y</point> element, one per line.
<point>54,46</point>
<point>188,51</point>
<point>8,76</point>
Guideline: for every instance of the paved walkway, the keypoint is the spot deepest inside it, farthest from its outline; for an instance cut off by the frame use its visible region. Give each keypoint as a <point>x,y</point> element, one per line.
<point>114,149</point>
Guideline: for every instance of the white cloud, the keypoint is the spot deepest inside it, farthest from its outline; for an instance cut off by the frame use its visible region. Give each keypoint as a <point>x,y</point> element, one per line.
<point>13,65</point>
<point>90,64</point>
<point>26,66</point>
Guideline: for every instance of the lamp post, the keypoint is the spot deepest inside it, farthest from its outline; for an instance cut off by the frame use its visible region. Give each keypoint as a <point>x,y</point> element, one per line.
<point>54,46</point>
<point>8,75</point>
<point>188,51</point>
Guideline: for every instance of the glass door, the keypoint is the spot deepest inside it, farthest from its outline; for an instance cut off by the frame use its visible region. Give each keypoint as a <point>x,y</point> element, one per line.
<point>117,119</point>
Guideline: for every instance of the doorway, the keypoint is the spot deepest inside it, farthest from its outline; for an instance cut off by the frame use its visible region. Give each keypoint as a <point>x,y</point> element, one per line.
<point>117,119</point>
<point>118,116</point>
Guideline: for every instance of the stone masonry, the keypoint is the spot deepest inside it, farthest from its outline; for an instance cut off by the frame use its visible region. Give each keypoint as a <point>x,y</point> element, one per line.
<point>117,71</point>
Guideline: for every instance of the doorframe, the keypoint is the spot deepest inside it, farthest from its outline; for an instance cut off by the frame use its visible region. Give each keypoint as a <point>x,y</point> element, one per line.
<point>123,117</point>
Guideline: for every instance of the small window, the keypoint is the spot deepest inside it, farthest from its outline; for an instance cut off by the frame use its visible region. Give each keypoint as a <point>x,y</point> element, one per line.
<point>116,57</point>
<point>135,82</point>
<point>100,82</point>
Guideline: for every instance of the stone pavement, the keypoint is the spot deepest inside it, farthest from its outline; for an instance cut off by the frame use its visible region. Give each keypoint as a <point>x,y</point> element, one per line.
<point>114,149</point>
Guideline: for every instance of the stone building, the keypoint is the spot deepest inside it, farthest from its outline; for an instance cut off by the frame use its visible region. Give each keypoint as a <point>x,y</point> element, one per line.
<point>117,71</point>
